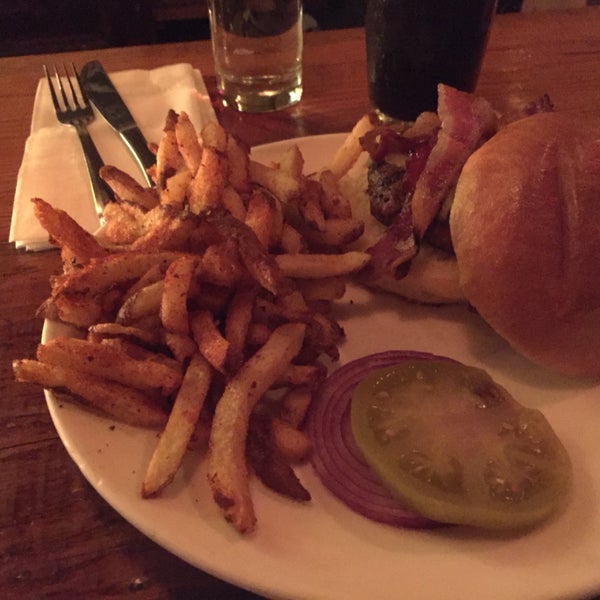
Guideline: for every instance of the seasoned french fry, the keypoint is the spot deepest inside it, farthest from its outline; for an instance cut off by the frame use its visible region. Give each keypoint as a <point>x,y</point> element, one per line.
<point>109,363</point>
<point>207,185</point>
<point>173,303</point>
<point>237,321</point>
<point>269,463</point>
<point>211,344</point>
<point>227,471</point>
<point>154,216</point>
<point>326,288</point>
<point>334,203</point>
<point>168,158</point>
<point>292,241</point>
<point>292,162</point>
<point>133,348</point>
<point>309,376</point>
<point>292,300</point>
<point>188,142</point>
<point>149,323</point>
<point>233,203</point>
<point>77,309</point>
<point>292,443</point>
<point>100,331</point>
<point>144,302</point>
<point>214,136</point>
<point>169,232</point>
<point>125,223</point>
<point>280,183</point>
<point>152,275</point>
<point>174,440</point>
<point>221,264</point>
<point>263,218</point>
<point>336,232</point>
<point>114,269</point>
<point>181,346</point>
<point>175,189</point>
<point>260,265</point>
<point>127,189</point>
<point>309,204</point>
<point>294,406</point>
<point>328,333</point>
<point>350,150</point>
<point>65,231</point>
<point>268,311</point>
<point>114,399</point>
<point>315,266</point>
<point>138,352</point>
<point>237,165</point>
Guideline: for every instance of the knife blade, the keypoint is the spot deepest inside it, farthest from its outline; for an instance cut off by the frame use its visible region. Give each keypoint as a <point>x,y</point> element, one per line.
<point>98,87</point>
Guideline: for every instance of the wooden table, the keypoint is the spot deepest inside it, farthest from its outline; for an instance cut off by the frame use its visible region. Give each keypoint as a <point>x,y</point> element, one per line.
<point>58,538</point>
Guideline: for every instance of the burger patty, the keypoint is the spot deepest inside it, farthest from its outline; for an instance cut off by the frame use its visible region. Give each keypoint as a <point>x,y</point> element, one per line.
<point>385,189</point>
<point>388,194</point>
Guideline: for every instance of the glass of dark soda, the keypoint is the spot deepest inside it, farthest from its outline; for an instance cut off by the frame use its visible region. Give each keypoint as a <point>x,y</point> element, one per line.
<point>412,45</point>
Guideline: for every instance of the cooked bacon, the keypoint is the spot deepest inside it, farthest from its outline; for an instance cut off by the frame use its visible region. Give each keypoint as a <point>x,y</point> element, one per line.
<point>381,141</point>
<point>467,121</point>
<point>435,152</point>
<point>465,117</point>
<point>393,252</point>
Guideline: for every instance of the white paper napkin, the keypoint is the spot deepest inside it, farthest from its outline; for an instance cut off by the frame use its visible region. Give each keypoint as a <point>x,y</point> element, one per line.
<point>53,167</point>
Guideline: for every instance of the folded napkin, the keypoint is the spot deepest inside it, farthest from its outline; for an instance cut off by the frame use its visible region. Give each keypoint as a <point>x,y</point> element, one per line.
<point>53,167</point>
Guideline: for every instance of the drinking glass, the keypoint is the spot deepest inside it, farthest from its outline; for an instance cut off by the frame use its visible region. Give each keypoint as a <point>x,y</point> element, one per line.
<point>257,48</point>
<point>412,45</point>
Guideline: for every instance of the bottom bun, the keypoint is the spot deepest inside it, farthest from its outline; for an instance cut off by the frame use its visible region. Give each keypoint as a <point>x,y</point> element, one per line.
<point>432,279</point>
<point>525,225</point>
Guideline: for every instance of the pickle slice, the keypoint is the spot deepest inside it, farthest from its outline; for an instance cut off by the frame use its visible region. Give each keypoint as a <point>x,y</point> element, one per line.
<point>455,446</point>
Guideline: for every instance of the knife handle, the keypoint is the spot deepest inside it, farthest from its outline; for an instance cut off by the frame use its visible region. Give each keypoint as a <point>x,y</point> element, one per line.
<point>136,142</point>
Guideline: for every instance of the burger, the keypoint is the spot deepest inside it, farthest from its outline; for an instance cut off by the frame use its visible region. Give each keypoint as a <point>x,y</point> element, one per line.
<point>463,207</point>
<point>411,178</point>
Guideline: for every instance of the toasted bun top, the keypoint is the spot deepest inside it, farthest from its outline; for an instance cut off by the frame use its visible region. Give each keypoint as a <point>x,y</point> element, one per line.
<point>525,226</point>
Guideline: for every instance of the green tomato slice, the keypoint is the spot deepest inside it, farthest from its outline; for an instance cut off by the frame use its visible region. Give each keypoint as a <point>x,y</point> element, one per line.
<point>455,446</point>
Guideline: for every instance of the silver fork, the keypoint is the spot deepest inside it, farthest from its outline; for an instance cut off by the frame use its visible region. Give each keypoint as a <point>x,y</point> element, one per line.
<point>73,108</point>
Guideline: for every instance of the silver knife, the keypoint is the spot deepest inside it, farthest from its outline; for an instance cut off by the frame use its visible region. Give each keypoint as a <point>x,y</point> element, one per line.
<point>100,90</point>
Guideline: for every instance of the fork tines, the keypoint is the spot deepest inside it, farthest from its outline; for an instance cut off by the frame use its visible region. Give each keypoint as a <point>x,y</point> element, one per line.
<point>72,108</point>
<point>63,101</point>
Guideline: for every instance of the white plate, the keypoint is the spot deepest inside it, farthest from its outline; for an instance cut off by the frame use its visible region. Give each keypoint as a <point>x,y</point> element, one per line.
<point>322,549</point>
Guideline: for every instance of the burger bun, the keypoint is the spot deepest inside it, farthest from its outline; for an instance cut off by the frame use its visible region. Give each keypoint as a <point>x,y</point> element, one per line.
<point>525,226</point>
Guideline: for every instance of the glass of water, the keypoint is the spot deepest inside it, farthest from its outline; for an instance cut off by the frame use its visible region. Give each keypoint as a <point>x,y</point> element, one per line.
<point>257,48</point>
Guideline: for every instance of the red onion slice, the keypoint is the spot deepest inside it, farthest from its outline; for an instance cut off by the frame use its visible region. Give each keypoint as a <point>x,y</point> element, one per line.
<point>337,459</point>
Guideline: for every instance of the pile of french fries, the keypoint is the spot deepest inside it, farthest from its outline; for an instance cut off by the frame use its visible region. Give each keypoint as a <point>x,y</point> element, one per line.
<point>203,308</point>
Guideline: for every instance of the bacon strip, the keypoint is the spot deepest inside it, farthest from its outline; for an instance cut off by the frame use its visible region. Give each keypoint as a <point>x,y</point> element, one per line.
<point>393,252</point>
<point>467,121</point>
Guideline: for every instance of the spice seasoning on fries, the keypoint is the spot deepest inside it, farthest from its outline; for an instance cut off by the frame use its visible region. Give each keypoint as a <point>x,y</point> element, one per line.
<point>203,309</point>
